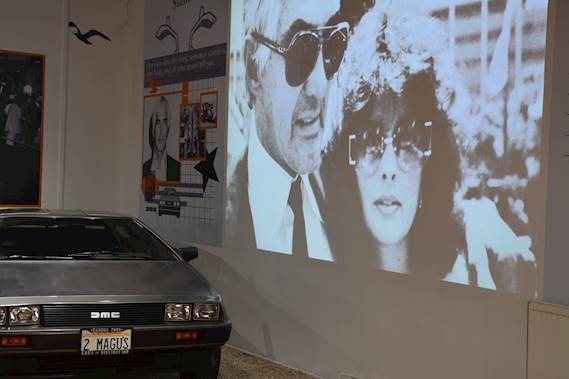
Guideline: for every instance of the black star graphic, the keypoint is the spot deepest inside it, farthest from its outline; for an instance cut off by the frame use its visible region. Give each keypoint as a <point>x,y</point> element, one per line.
<point>207,169</point>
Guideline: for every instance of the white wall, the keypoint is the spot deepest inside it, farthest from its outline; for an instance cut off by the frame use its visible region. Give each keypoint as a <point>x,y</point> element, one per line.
<point>325,319</point>
<point>130,153</point>
<point>98,111</point>
<point>374,325</point>
<point>105,107</point>
<point>316,316</point>
<point>557,238</point>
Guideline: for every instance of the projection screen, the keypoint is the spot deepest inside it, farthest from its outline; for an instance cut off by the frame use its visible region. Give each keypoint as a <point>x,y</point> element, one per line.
<point>398,135</point>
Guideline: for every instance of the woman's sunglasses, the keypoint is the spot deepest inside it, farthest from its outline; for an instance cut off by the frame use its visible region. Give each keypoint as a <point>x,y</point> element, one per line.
<point>302,52</point>
<point>411,143</point>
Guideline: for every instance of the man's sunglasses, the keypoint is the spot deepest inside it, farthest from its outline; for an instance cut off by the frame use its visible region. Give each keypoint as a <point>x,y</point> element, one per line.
<point>302,52</point>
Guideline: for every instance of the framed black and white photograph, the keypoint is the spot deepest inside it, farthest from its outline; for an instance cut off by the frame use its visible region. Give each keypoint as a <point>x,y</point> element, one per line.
<point>21,127</point>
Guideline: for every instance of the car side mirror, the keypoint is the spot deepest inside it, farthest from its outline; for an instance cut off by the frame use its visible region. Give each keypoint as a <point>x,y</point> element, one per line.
<point>188,253</point>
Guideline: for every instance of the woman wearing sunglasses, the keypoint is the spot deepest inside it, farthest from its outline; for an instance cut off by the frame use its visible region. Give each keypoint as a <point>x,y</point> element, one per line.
<point>400,153</point>
<point>401,101</point>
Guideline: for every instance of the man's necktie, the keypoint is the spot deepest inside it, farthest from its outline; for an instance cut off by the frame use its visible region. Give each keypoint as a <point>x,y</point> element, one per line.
<point>299,247</point>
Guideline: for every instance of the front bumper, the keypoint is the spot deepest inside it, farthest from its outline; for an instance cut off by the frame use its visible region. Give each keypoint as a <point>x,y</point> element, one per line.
<point>56,351</point>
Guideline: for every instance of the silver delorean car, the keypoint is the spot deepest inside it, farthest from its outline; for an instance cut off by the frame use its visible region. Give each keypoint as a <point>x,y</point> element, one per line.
<point>100,294</point>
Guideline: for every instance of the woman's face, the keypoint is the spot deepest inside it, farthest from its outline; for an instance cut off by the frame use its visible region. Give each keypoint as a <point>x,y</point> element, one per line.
<point>388,175</point>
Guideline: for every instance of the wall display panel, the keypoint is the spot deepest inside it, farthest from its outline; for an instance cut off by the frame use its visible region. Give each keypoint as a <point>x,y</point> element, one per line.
<point>557,111</point>
<point>184,118</point>
<point>401,136</point>
<point>21,126</point>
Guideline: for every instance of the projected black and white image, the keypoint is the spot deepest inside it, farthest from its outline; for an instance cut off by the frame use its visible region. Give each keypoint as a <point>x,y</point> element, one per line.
<point>21,109</point>
<point>161,135</point>
<point>404,137</point>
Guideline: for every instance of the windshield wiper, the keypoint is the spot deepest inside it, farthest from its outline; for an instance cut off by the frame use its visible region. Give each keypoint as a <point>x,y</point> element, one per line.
<point>33,257</point>
<point>109,254</point>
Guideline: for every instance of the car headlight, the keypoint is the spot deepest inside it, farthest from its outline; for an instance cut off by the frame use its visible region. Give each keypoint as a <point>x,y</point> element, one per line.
<point>24,315</point>
<point>205,312</point>
<point>2,316</point>
<point>178,312</point>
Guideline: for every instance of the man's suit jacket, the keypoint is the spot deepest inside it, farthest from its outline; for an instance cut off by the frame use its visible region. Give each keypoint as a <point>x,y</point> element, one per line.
<point>239,226</point>
<point>240,231</point>
<point>252,267</point>
<point>172,169</point>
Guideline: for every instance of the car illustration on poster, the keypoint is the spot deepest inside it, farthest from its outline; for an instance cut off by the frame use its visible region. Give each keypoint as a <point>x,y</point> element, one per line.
<point>169,203</point>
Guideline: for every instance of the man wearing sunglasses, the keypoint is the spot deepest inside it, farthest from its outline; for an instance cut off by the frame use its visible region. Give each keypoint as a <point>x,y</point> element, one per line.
<point>292,52</point>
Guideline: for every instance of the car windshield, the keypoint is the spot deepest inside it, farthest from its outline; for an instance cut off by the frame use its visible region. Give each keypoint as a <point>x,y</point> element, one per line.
<point>77,238</point>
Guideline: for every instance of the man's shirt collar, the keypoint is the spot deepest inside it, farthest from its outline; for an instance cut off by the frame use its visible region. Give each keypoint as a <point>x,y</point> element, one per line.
<point>268,189</point>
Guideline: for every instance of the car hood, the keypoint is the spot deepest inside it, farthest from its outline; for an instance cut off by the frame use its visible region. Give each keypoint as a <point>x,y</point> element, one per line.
<point>102,278</point>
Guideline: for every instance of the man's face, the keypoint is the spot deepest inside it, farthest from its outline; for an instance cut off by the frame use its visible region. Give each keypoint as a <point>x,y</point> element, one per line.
<point>290,119</point>
<point>161,127</point>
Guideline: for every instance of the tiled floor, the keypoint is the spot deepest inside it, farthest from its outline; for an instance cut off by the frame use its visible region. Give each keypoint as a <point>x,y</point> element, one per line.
<point>238,365</point>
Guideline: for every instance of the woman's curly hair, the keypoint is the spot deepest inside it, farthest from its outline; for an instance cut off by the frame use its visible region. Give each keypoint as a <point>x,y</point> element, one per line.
<point>408,55</point>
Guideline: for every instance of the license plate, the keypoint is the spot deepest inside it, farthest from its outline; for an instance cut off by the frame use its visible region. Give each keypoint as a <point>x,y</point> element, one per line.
<point>105,341</point>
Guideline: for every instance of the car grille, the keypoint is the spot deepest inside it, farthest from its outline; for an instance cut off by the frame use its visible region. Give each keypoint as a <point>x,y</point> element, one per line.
<point>80,314</point>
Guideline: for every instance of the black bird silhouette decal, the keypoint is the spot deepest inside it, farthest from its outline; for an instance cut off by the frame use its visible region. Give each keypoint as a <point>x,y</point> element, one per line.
<point>166,30</point>
<point>85,37</point>
<point>205,20</point>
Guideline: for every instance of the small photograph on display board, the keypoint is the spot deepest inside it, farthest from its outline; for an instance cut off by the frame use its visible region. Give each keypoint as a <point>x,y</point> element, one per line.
<point>192,139</point>
<point>208,117</point>
<point>161,136</point>
<point>21,126</point>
